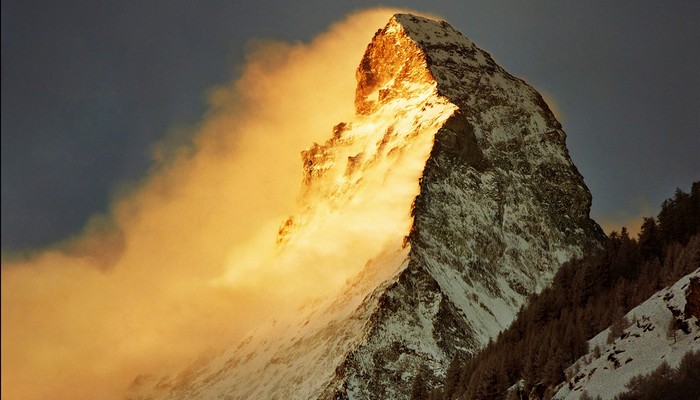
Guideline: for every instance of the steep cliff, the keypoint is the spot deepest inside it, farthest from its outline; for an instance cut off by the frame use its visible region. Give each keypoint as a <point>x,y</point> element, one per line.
<point>496,205</point>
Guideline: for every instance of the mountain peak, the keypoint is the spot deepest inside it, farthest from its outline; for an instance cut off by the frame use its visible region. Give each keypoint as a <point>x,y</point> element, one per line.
<point>426,31</point>
<point>413,50</point>
<point>459,174</point>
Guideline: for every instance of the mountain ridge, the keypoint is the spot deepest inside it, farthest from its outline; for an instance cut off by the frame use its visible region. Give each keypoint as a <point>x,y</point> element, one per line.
<point>500,206</point>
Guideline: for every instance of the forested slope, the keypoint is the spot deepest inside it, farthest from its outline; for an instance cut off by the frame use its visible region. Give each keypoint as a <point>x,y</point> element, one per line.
<point>587,296</point>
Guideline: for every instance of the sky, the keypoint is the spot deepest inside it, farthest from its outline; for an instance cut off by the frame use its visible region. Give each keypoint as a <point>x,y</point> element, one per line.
<point>88,88</point>
<point>150,154</point>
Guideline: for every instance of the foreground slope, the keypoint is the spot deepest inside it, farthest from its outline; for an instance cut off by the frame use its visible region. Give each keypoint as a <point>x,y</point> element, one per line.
<point>643,345</point>
<point>497,206</point>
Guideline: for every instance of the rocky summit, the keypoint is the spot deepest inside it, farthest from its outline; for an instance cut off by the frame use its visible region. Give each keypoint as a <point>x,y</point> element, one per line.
<point>498,207</point>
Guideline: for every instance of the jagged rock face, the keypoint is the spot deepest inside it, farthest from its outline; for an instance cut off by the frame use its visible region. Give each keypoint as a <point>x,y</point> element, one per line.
<point>498,206</point>
<point>501,206</point>
<point>391,66</point>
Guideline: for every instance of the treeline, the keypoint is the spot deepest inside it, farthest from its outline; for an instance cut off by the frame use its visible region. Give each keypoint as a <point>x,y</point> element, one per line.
<point>586,297</point>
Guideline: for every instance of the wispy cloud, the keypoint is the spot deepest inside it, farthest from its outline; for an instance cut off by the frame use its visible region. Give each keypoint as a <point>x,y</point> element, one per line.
<point>134,292</point>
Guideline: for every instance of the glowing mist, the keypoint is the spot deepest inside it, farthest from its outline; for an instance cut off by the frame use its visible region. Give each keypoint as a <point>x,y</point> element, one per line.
<point>177,264</point>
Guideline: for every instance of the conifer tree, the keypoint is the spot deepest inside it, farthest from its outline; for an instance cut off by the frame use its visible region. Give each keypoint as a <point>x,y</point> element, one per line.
<point>649,241</point>
<point>419,389</point>
<point>672,328</point>
<point>452,378</point>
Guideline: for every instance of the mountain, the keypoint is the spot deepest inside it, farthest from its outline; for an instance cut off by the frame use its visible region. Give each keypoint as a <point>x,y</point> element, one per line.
<point>494,206</point>
<point>662,329</point>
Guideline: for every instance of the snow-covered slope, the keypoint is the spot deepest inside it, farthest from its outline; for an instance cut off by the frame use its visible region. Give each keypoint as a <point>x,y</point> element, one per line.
<point>497,206</point>
<point>643,345</point>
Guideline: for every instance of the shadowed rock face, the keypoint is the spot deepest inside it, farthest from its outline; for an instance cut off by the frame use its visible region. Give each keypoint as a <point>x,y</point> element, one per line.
<point>500,207</point>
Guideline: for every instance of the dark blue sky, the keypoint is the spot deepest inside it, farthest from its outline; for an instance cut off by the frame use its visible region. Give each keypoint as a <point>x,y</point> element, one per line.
<point>88,86</point>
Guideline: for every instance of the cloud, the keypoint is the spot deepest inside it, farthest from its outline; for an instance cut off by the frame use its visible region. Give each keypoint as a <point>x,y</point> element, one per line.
<point>138,291</point>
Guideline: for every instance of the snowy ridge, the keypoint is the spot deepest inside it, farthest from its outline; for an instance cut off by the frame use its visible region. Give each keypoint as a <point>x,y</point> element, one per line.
<point>470,167</point>
<point>642,347</point>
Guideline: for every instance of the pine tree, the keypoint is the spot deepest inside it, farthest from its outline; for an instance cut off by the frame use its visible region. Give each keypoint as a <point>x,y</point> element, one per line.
<point>672,328</point>
<point>584,283</point>
<point>626,258</point>
<point>419,389</point>
<point>488,383</point>
<point>678,219</point>
<point>649,241</point>
<point>617,328</point>
<point>452,378</point>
